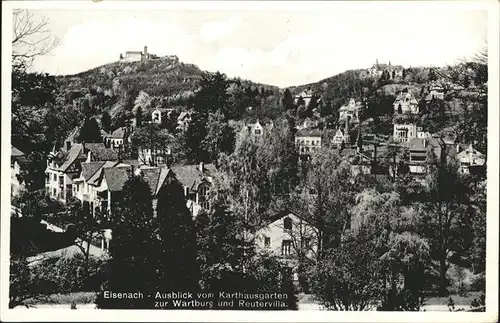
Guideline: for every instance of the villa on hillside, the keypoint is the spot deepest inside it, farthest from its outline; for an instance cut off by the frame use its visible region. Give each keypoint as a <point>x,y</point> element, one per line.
<point>306,95</point>
<point>257,130</point>
<point>308,141</point>
<point>471,160</point>
<point>159,115</point>
<point>403,133</point>
<point>350,111</point>
<point>405,102</point>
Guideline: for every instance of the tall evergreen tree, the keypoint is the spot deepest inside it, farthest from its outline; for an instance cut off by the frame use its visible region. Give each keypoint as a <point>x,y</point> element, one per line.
<point>213,94</point>
<point>138,117</point>
<point>90,131</point>
<point>106,121</point>
<point>287,100</point>
<point>178,267</point>
<point>133,250</point>
<point>196,132</point>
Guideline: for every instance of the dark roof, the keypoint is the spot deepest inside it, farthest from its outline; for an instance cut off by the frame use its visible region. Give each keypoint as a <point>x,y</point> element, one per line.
<point>89,169</point>
<point>100,152</point>
<point>190,175</point>
<point>73,154</point>
<point>95,179</point>
<point>116,178</point>
<point>309,133</point>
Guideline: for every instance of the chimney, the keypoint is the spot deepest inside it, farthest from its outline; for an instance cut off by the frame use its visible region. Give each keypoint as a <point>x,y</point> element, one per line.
<point>201,167</point>
<point>146,51</point>
<point>458,148</point>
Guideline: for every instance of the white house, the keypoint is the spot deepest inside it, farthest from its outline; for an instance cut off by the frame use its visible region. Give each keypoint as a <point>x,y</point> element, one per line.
<point>405,132</point>
<point>287,236</point>
<point>405,102</point>
<point>64,166</point>
<point>117,139</point>
<point>308,141</point>
<point>306,96</point>
<point>183,120</point>
<point>340,137</point>
<point>350,110</point>
<point>470,158</point>
<point>159,115</point>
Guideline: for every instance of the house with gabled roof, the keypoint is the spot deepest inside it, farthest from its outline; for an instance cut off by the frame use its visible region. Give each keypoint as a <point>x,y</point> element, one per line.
<point>159,115</point>
<point>471,160</point>
<point>64,166</point>
<point>117,139</point>
<point>109,179</point>
<point>183,120</point>
<point>290,237</point>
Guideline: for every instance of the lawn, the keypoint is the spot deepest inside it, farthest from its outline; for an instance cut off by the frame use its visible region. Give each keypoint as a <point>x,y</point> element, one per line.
<point>77,297</point>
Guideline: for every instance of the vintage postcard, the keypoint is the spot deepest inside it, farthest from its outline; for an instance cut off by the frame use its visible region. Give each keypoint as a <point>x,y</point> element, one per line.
<point>250,161</point>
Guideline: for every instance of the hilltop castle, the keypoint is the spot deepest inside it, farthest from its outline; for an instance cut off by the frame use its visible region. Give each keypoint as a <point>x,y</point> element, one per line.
<point>137,56</point>
<point>376,71</point>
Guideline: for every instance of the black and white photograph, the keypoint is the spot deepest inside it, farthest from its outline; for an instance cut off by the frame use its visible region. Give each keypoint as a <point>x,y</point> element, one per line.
<point>250,157</point>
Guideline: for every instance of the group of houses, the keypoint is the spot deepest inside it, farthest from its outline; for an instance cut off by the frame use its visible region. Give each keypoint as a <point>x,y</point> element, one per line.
<point>95,174</point>
<point>423,147</point>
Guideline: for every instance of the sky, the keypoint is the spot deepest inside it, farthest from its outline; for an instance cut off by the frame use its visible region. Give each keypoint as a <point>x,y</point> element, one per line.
<point>278,47</point>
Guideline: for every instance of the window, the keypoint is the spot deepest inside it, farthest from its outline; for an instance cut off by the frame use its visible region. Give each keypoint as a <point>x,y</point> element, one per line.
<point>258,131</point>
<point>54,192</point>
<point>287,224</point>
<point>307,242</point>
<point>202,196</point>
<point>54,177</point>
<point>267,242</point>
<point>286,247</point>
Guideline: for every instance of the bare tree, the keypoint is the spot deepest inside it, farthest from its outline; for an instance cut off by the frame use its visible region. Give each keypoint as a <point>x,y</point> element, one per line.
<point>31,38</point>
